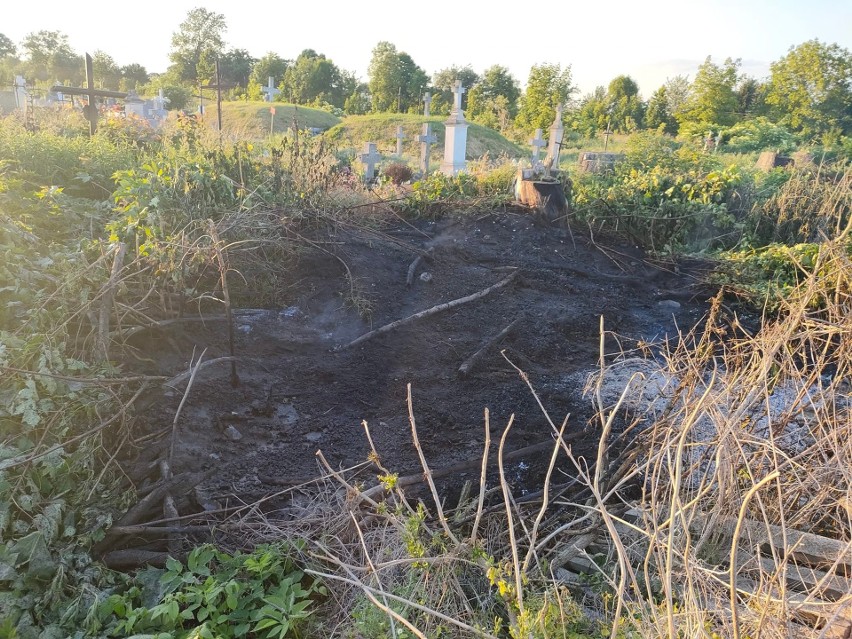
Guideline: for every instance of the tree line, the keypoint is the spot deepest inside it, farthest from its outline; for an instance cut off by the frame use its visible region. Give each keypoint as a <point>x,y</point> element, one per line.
<point>808,93</point>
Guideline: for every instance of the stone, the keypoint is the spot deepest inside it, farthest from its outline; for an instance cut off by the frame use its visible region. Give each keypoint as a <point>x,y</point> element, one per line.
<point>370,157</point>
<point>313,437</point>
<point>769,160</point>
<point>597,162</point>
<point>537,144</point>
<point>425,276</point>
<point>20,92</point>
<point>455,142</point>
<point>554,141</point>
<point>668,305</point>
<point>426,140</point>
<point>427,104</point>
<point>400,136</point>
<point>233,434</point>
<point>270,91</point>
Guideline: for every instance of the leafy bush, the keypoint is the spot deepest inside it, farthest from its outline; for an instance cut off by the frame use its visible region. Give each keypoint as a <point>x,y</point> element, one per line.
<point>757,135</point>
<point>398,173</point>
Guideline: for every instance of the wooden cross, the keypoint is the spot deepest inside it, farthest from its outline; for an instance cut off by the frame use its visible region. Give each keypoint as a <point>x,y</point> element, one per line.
<point>538,143</point>
<point>90,111</point>
<point>370,158</point>
<point>399,138</point>
<point>426,140</point>
<point>218,85</point>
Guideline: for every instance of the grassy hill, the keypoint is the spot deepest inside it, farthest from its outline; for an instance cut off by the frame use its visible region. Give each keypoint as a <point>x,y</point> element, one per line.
<point>252,118</point>
<point>354,130</point>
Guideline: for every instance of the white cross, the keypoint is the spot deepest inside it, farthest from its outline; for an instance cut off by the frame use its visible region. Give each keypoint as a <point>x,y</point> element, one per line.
<point>538,144</point>
<point>426,140</point>
<point>399,138</point>
<point>270,91</point>
<point>369,158</point>
<point>458,90</point>
<point>557,132</point>
<point>427,99</point>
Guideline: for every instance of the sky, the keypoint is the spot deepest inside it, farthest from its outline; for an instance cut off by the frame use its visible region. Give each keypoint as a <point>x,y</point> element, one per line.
<point>650,41</point>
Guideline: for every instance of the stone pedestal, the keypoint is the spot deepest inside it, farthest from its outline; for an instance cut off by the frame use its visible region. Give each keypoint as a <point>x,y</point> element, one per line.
<point>455,141</point>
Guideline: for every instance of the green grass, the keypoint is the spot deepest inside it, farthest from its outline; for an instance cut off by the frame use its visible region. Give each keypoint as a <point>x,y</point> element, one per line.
<point>354,130</point>
<point>252,118</point>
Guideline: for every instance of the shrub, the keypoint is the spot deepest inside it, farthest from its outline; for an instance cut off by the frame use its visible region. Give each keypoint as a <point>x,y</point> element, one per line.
<point>757,135</point>
<point>398,173</point>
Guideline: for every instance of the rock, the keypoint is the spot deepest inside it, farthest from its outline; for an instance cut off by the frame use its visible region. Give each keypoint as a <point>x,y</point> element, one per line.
<point>286,414</point>
<point>425,276</point>
<point>244,328</point>
<point>313,437</point>
<point>233,434</point>
<point>668,305</point>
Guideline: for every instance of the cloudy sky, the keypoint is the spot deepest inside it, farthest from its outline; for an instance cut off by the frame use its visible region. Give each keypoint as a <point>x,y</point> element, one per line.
<point>650,40</point>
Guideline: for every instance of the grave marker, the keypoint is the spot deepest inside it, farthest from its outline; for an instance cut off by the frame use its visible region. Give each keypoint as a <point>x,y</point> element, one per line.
<point>537,144</point>
<point>426,140</point>
<point>427,104</point>
<point>270,91</point>
<point>369,158</point>
<point>90,111</point>
<point>554,142</point>
<point>399,138</point>
<point>455,142</point>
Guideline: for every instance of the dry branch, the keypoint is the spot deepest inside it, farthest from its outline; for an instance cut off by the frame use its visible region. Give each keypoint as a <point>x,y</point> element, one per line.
<point>470,362</point>
<point>412,269</point>
<point>431,311</point>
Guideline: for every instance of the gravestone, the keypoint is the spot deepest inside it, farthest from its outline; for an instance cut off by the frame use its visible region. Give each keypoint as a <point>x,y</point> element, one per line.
<point>369,158</point>
<point>427,104</point>
<point>426,140</point>
<point>597,162</point>
<point>270,91</point>
<point>455,141</point>
<point>537,144</point>
<point>769,160</point>
<point>554,141</point>
<point>20,92</point>
<point>400,136</point>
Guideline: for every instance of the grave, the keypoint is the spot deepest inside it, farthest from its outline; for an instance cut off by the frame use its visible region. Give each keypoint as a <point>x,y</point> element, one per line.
<point>369,158</point>
<point>769,160</point>
<point>270,91</point>
<point>427,104</point>
<point>90,111</point>
<point>455,141</point>
<point>426,140</point>
<point>538,144</point>
<point>598,162</point>
<point>400,136</point>
<point>554,142</point>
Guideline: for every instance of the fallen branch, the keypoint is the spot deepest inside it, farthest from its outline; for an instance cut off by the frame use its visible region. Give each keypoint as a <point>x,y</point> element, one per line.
<point>412,269</point>
<point>430,311</point>
<point>226,296</point>
<point>186,482</point>
<point>130,559</point>
<point>470,362</point>
<point>102,348</point>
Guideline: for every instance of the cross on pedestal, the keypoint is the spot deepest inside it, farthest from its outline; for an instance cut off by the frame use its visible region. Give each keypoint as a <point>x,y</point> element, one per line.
<point>554,146</point>
<point>427,104</point>
<point>538,143</point>
<point>270,91</point>
<point>400,136</point>
<point>426,140</point>
<point>90,111</point>
<point>369,158</point>
<point>458,90</point>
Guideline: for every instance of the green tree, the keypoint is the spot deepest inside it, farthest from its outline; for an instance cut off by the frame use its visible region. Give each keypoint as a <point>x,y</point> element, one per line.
<point>358,102</point>
<point>712,101</point>
<point>442,84</point>
<point>625,110</point>
<point>658,115</point>
<point>107,73</point>
<point>396,82</point>
<point>751,97</point>
<point>7,47</point>
<point>548,85</point>
<point>493,101</point>
<point>811,89</point>
<point>199,40</point>
<point>133,76</point>
<point>271,65</point>
<point>313,78</point>
<point>235,67</point>
<point>49,57</point>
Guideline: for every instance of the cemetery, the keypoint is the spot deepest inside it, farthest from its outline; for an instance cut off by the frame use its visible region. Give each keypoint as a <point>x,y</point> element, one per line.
<point>400,361</point>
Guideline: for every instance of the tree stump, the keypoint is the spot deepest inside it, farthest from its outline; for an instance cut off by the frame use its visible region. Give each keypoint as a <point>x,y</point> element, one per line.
<point>548,197</point>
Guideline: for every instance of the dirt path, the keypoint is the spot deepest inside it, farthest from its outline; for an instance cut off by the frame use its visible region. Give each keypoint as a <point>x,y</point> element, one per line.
<point>299,394</point>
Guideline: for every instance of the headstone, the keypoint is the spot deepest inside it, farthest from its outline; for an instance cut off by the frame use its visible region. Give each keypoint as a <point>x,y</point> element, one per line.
<point>455,142</point>
<point>269,91</point>
<point>537,144</point>
<point>369,158</point>
<point>426,140</point>
<point>20,92</point>
<point>596,162</point>
<point>400,136</point>
<point>769,160</point>
<point>427,104</point>
<point>554,142</point>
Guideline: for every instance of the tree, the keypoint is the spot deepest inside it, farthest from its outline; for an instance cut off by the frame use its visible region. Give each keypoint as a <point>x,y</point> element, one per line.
<point>548,85</point>
<point>591,117</point>
<point>313,78</point>
<point>196,44</point>
<point>358,102</point>
<point>7,47</point>
<point>272,66</point>
<point>235,67</point>
<point>396,82</point>
<point>493,101</point>
<point>811,89</point>
<point>712,101</point>
<point>49,56</point>
<point>442,83</point>
<point>625,110</point>
<point>751,97</point>
<point>107,73</point>
<point>133,76</point>
<point>658,115</point>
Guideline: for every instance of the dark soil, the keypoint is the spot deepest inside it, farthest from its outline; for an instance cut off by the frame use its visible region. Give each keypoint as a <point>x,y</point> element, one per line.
<point>299,392</point>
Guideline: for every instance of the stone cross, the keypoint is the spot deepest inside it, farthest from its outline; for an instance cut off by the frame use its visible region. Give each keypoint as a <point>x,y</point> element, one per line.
<point>458,90</point>
<point>426,140</point>
<point>90,112</point>
<point>20,92</point>
<point>554,142</point>
<point>538,143</point>
<point>427,101</point>
<point>399,138</point>
<point>369,158</point>
<point>270,91</point>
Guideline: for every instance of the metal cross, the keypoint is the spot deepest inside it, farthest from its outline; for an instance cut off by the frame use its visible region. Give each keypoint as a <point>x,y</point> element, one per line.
<point>90,111</point>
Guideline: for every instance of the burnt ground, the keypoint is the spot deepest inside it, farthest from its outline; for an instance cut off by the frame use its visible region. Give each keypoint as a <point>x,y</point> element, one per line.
<point>299,392</point>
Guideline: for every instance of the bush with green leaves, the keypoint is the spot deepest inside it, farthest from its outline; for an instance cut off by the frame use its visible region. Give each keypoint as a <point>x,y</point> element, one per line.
<point>758,134</point>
